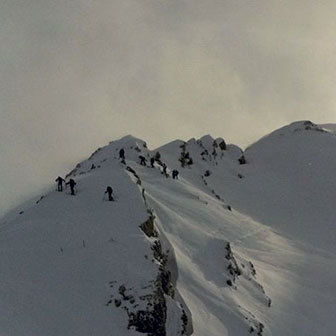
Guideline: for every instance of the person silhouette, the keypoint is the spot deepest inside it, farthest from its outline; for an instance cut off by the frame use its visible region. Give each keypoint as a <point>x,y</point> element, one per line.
<point>72,184</point>
<point>109,191</point>
<point>59,181</point>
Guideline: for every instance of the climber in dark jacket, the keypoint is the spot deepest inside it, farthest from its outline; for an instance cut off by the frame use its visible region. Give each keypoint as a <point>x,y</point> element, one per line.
<point>175,174</point>
<point>164,170</point>
<point>152,160</point>
<point>72,184</point>
<point>109,191</point>
<point>59,181</point>
<point>122,155</point>
<point>142,160</point>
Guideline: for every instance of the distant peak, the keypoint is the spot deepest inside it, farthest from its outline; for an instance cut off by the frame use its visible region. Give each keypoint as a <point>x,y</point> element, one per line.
<point>302,125</point>
<point>207,138</point>
<point>128,138</point>
<point>128,141</point>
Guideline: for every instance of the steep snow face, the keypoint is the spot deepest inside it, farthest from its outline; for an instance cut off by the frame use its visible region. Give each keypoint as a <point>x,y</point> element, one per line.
<point>225,249</point>
<point>289,186</point>
<point>80,265</point>
<point>294,169</point>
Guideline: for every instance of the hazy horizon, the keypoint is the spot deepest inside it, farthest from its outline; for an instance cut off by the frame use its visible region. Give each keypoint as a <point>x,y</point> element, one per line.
<point>75,75</point>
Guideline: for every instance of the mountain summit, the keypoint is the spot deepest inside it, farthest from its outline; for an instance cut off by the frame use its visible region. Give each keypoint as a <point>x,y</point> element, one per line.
<point>240,243</point>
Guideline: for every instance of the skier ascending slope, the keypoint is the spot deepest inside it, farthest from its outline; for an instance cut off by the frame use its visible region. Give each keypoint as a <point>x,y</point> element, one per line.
<point>122,155</point>
<point>109,191</point>
<point>164,170</point>
<point>72,184</point>
<point>59,181</point>
<point>142,160</point>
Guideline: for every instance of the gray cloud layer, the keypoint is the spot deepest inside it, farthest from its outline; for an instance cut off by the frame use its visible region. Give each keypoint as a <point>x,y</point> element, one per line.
<point>76,74</point>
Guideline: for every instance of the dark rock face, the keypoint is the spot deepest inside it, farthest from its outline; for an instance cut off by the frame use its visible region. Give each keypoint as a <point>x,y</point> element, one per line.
<point>132,171</point>
<point>185,321</point>
<point>185,158</point>
<point>148,227</point>
<point>233,268</point>
<point>222,145</point>
<point>153,320</point>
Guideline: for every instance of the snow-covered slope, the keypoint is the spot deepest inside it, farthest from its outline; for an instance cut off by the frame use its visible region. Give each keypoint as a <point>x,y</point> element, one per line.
<point>225,249</point>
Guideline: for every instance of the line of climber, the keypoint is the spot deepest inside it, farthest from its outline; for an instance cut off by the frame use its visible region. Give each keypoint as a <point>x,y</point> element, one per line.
<point>152,160</point>
<point>72,184</point>
<point>109,190</point>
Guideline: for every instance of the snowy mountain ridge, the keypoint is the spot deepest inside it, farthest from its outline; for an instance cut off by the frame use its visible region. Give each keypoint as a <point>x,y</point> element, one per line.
<point>242,243</point>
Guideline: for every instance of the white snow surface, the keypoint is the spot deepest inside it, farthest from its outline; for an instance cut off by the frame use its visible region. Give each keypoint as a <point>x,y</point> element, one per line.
<point>64,259</point>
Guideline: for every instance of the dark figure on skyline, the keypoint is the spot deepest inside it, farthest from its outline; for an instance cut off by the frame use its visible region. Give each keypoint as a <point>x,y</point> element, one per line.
<point>142,160</point>
<point>72,184</point>
<point>59,181</point>
<point>242,160</point>
<point>175,174</point>
<point>152,160</point>
<point>122,155</point>
<point>109,191</point>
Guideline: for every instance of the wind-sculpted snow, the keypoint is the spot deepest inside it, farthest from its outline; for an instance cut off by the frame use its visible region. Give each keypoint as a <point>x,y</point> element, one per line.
<point>225,249</point>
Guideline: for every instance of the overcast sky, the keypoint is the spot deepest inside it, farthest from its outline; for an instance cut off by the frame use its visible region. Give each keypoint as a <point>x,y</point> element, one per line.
<point>75,74</point>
